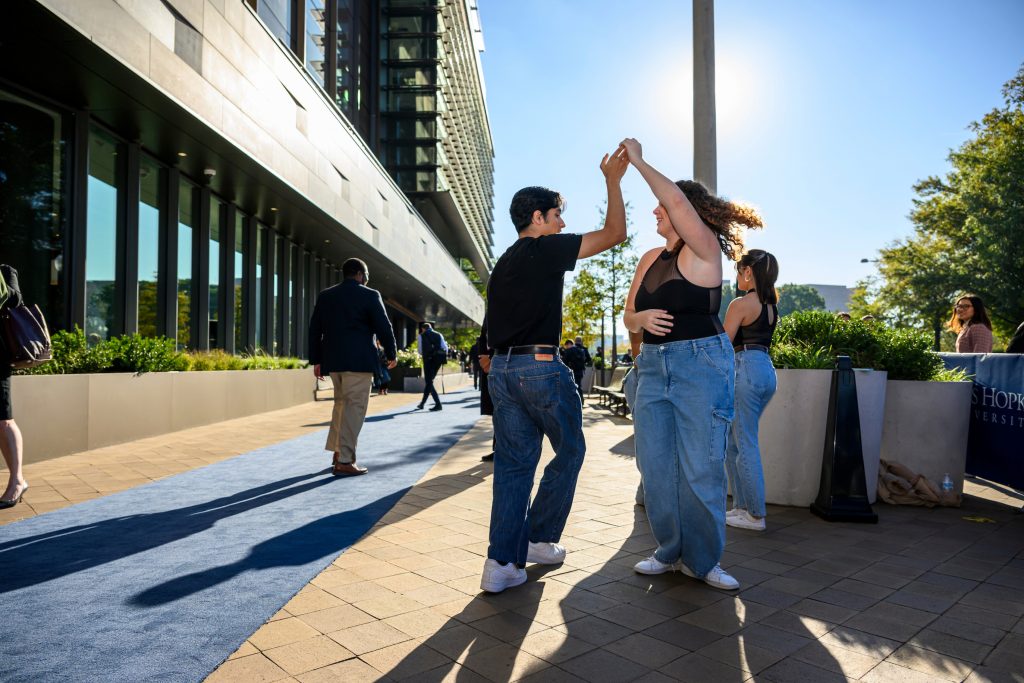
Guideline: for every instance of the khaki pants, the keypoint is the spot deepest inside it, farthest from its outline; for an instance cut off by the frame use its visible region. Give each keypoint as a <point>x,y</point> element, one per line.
<point>351,398</point>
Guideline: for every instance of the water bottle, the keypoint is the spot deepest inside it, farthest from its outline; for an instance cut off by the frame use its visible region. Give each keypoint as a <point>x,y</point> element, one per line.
<point>947,484</point>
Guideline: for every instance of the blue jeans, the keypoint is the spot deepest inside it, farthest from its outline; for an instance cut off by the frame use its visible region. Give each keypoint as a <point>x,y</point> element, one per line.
<point>532,399</point>
<point>755,386</point>
<point>684,406</point>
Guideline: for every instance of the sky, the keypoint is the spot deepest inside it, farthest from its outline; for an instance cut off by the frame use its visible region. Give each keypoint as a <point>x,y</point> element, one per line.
<point>827,112</point>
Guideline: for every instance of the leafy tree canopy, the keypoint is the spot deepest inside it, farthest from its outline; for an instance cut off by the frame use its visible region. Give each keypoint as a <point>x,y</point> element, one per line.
<point>968,231</point>
<point>794,298</point>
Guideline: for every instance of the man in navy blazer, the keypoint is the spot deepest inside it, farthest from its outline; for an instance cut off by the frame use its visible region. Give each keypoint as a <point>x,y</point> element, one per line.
<point>341,330</point>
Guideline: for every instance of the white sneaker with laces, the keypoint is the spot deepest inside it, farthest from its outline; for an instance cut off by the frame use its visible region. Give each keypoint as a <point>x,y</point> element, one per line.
<point>717,577</point>
<point>744,520</point>
<point>545,553</point>
<point>653,566</point>
<point>732,512</point>
<point>497,577</point>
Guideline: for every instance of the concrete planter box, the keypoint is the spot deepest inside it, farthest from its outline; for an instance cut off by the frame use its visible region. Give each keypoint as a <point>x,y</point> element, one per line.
<point>925,428</point>
<point>400,375</point>
<point>62,414</point>
<point>792,433</point>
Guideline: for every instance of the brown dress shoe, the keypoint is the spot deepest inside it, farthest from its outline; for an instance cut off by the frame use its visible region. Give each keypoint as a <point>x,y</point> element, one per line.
<point>347,469</point>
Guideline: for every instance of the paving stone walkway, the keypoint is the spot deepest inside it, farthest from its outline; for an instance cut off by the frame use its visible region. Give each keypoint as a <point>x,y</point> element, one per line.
<point>926,595</point>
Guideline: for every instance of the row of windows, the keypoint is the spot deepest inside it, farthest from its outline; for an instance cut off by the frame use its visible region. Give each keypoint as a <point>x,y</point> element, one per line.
<point>182,268</point>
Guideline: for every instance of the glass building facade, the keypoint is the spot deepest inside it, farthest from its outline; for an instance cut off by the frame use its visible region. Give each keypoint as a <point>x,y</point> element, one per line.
<point>116,229</point>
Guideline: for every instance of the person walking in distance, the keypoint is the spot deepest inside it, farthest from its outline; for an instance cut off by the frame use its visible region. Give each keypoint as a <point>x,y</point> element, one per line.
<point>685,373</point>
<point>434,350</point>
<point>534,392</point>
<point>750,322</point>
<point>341,329</point>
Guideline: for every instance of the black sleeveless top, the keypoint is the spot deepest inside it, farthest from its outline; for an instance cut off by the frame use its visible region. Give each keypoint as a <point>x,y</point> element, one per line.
<point>760,331</point>
<point>694,309</point>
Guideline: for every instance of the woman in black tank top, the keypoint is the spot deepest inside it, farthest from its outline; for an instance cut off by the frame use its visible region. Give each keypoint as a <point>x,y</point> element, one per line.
<point>750,323</point>
<point>684,398</point>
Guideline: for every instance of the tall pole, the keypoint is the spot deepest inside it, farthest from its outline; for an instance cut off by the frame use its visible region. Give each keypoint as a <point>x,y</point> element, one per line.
<point>705,164</point>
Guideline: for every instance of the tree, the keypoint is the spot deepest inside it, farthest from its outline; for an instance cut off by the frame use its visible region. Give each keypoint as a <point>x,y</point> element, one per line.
<point>582,309</point>
<point>799,298</point>
<point>919,277</point>
<point>968,228</point>
<point>612,271</point>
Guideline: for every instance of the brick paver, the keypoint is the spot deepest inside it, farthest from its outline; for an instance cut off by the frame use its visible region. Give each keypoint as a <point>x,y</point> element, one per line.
<point>926,595</point>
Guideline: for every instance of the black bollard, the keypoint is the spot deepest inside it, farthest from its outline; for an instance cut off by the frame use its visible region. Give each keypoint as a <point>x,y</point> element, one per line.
<point>843,493</point>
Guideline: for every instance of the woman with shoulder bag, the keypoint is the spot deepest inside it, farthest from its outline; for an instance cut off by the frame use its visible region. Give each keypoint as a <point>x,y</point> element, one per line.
<point>10,435</point>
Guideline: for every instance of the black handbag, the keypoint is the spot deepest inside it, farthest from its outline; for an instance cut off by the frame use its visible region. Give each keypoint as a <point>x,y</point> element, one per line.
<point>26,337</point>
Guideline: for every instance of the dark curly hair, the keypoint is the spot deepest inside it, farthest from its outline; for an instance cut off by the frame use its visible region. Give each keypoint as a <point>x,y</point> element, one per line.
<point>530,199</point>
<point>722,216</point>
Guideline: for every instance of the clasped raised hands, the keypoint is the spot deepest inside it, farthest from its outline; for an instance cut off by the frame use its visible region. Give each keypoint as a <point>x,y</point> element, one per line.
<point>614,165</point>
<point>634,150</point>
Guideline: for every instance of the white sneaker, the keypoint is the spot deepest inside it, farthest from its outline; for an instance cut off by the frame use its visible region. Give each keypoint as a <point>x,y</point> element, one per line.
<point>744,520</point>
<point>717,577</point>
<point>497,577</point>
<point>653,566</point>
<point>732,512</point>
<point>545,553</point>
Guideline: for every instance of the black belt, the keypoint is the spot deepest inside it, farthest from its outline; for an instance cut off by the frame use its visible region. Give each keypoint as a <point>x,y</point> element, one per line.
<point>528,350</point>
<point>750,347</point>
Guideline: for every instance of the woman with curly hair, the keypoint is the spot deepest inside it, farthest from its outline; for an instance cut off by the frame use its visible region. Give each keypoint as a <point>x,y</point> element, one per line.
<point>684,399</point>
<point>971,324</point>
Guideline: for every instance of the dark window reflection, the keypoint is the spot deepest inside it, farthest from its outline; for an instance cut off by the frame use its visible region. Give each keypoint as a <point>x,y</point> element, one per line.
<point>31,172</point>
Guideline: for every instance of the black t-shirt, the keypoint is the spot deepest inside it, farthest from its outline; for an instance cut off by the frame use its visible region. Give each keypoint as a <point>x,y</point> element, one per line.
<point>524,295</point>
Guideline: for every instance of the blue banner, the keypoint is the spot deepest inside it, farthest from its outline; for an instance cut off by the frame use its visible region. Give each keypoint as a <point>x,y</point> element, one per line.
<point>995,444</point>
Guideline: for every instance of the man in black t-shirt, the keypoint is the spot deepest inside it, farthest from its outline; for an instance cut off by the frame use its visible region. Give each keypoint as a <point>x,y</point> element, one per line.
<point>534,393</point>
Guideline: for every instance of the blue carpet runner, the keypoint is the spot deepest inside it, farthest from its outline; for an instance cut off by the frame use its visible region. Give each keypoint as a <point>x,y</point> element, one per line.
<point>164,581</point>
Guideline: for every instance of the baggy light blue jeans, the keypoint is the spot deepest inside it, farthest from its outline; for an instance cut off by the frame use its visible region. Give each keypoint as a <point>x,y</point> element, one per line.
<point>755,386</point>
<point>684,406</point>
<point>532,399</point>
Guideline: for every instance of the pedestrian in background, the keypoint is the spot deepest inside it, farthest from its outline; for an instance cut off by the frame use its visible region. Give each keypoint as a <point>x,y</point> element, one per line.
<point>434,351</point>
<point>1016,344</point>
<point>572,356</point>
<point>10,436</point>
<point>341,329</point>
<point>750,323</point>
<point>971,324</point>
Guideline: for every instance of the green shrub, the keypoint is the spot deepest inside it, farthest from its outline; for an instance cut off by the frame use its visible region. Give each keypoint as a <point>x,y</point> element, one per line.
<point>215,359</point>
<point>813,339</point>
<point>135,353</point>
<point>261,361</point>
<point>138,354</point>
